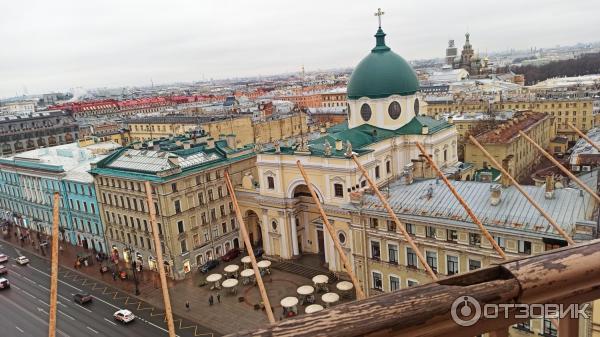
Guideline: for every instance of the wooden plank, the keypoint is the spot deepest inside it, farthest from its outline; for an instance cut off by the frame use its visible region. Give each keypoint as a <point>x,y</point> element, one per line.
<point>399,224</point>
<point>568,327</point>
<point>336,243</point>
<point>160,261</point>
<point>464,204</point>
<point>248,244</point>
<point>520,189</point>
<point>54,267</point>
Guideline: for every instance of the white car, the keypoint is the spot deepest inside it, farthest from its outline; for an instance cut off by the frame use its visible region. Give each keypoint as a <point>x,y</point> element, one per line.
<point>3,258</point>
<point>22,260</point>
<point>4,284</point>
<point>124,316</point>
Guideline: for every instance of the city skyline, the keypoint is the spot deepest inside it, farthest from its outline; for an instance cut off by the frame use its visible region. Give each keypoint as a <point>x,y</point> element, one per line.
<point>189,42</point>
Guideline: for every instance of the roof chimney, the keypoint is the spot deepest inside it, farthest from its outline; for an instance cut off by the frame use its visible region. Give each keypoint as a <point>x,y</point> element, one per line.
<point>210,143</point>
<point>495,195</point>
<point>339,145</point>
<point>450,119</point>
<point>174,160</point>
<point>549,187</point>
<point>137,145</point>
<point>186,145</point>
<point>231,143</point>
<point>424,129</point>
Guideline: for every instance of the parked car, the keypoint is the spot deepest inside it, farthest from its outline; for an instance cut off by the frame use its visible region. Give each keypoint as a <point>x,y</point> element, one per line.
<point>258,251</point>
<point>4,284</point>
<point>82,298</point>
<point>3,258</point>
<point>124,316</point>
<point>3,270</point>
<point>211,264</point>
<point>231,254</point>
<point>22,260</point>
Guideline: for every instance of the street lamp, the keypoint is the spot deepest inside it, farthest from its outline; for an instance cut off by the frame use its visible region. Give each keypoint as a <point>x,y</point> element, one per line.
<point>133,268</point>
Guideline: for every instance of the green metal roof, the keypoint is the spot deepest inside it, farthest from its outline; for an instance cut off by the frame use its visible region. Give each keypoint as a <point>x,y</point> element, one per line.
<point>364,135</point>
<point>382,73</point>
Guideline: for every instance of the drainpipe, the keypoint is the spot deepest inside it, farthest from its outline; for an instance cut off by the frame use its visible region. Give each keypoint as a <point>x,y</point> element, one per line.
<point>366,271</point>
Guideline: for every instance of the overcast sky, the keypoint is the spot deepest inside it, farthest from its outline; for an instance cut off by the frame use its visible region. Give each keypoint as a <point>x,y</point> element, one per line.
<point>59,44</point>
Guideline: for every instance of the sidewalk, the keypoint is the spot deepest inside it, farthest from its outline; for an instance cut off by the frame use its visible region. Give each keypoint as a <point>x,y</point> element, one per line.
<point>229,316</point>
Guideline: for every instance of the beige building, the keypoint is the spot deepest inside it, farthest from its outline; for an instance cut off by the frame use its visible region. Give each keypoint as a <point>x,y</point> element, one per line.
<point>246,130</point>
<point>584,113</point>
<point>195,215</point>
<point>506,145</point>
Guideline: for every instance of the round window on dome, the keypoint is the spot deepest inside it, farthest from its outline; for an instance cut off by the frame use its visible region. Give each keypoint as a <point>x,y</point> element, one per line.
<point>394,110</point>
<point>365,112</point>
<point>416,106</point>
<point>342,238</point>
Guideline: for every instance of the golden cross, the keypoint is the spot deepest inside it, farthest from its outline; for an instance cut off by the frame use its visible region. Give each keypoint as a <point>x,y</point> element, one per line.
<point>379,14</point>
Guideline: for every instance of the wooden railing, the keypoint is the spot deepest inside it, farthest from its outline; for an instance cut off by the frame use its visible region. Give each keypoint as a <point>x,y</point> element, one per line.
<point>564,276</point>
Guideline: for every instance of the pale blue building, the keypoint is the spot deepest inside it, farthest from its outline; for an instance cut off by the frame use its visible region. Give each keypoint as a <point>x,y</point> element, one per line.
<point>27,184</point>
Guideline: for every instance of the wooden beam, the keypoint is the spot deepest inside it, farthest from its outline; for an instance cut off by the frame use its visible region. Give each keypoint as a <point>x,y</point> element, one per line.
<point>584,136</point>
<point>54,267</point>
<point>248,244</point>
<point>463,203</point>
<point>561,167</point>
<point>561,276</point>
<point>399,224</point>
<point>336,243</point>
<point>568,327</point>
<point>520,189</point>
<point>159,260</point>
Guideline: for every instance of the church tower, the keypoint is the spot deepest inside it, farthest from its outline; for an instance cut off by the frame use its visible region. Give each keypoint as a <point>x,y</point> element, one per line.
<point>382,89</point>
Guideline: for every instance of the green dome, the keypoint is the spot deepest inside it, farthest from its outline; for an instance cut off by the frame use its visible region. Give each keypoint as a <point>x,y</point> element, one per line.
<point>382,73</point>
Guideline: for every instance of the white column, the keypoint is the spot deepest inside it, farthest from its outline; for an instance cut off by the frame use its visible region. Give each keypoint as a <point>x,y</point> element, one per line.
<point>294,235</point>
<point>265,234</point>
<point>285,253</point>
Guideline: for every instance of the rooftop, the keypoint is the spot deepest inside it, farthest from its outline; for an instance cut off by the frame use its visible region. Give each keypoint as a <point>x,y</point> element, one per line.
<point>583,149</point>
<point>432,199</point>
<point>364,135</point>
<point>164,159</point>
<point>509,130</point>
<point>71,159</point>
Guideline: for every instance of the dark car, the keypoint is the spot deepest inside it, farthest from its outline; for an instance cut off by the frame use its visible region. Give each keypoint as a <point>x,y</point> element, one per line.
<point>3,270</point>
<point>230,255</point>
<point>258,251</point>
<point>208,266</point>
<point>82,298</point>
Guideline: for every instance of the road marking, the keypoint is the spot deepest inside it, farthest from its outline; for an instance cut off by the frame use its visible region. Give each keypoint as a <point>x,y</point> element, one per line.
<point>84,308</point>
<point>19,329</point>
<point>67,315</point>
<point>14,286</point>
<point>28,294</point>
<point>61,281</point>
<point>41,286</point>
<point>92,330</point>
<point>42,310</point>
<point>109,321</point>
<point>44,303</point>
<point>30,280</point>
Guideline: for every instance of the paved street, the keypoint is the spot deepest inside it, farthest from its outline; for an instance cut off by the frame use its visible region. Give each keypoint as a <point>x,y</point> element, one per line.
<point>24,307</point>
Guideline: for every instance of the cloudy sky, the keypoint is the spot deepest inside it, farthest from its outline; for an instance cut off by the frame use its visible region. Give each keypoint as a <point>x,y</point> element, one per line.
<point>60,44</point>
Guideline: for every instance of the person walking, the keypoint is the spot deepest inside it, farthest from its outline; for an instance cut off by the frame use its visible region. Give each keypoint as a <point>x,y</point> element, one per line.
<point>210,300</point>
<point>187,305</point>
<point>219,297</point>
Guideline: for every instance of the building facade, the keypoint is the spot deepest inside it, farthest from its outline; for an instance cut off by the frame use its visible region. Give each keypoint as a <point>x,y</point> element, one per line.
<point>39,129</point>
<point>29,180</point>
<point>507,146</point>
<point>195,215</point>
